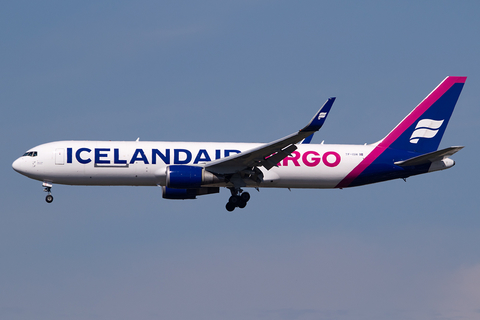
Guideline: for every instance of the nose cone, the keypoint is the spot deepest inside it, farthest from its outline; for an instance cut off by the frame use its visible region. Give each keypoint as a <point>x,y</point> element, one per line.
<point>19,165</point>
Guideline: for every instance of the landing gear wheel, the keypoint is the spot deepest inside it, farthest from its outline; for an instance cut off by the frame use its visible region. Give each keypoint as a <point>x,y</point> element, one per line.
<point>245,196</point>
<point>234,200</point>
<point>238,199</point>
<point>242,204</point>
<point>49,198</point>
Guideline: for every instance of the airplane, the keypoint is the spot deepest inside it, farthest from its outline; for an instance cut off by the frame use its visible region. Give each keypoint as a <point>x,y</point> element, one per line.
<point>185,170</point>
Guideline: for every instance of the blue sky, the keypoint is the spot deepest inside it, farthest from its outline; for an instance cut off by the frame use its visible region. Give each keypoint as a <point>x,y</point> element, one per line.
<point>244,71</point>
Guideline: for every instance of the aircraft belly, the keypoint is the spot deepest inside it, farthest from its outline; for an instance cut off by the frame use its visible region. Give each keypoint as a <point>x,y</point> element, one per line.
<point>134,175</point>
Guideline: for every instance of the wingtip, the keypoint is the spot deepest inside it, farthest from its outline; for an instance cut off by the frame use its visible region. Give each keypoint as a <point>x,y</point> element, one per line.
<point>318,120</point>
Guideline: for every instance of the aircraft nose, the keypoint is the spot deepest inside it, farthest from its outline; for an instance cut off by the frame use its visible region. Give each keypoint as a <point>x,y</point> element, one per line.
<point>18,165</point>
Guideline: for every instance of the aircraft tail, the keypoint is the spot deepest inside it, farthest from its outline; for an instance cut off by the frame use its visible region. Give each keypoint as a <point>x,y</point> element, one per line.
<point>414,141</point>
<point>422,129</point>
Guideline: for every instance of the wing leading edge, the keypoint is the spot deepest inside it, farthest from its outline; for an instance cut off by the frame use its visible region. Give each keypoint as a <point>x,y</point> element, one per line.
<point>269,154</point>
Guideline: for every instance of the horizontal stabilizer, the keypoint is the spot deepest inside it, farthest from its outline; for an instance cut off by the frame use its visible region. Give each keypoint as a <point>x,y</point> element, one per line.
<point>429,157</point>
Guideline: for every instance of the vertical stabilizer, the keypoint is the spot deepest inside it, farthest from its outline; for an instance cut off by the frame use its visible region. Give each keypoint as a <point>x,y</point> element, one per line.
<point>422,130</point>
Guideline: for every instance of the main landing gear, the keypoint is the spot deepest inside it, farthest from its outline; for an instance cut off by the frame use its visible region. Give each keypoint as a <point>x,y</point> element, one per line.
<point>238,199</point>
<point>48,188</point>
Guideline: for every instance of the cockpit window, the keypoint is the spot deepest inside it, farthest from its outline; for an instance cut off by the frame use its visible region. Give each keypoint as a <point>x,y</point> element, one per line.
<point>30,154</point>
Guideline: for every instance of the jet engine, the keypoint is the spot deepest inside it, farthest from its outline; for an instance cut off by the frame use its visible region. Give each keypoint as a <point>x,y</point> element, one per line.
<point>189,177</point>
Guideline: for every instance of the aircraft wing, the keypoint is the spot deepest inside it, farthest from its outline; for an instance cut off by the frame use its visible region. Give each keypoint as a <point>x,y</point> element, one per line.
<point>429,157</point>
<point>269,154</point>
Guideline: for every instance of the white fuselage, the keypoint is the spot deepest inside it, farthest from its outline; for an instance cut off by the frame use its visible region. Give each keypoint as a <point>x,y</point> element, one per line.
<point>143,163</point>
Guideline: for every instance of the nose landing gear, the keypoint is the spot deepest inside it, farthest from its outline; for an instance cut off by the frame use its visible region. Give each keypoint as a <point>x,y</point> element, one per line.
<point>238,199</point>
<point>48,188</point>
<point>49,198</point>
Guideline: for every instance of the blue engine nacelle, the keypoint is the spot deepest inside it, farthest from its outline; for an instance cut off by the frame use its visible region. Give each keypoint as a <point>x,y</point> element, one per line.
<point>179,176</point>
<point>189,177</point>
<point>185,182</point>
<point>182,194</point>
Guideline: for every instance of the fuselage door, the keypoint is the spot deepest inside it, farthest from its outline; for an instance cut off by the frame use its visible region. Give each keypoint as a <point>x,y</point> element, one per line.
<point>59,156</point>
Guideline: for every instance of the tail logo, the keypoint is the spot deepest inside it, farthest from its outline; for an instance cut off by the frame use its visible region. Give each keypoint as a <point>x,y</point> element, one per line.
<point>425,128</point>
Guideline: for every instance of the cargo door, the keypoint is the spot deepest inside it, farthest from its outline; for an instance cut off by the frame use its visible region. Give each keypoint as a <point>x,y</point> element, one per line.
<point>59,156</point>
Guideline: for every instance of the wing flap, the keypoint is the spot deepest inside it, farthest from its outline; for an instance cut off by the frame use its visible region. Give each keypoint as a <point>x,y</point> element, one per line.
<point>273,160</point>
